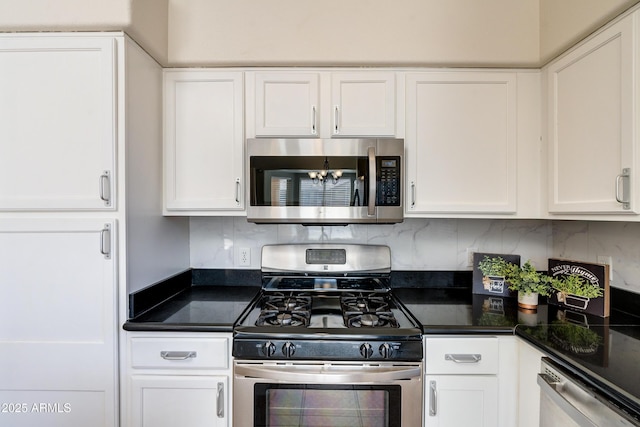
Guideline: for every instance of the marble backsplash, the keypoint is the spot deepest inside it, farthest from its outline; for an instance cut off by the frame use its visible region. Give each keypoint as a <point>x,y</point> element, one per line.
<point>586,240</point>
<point>433,244</point>
<point>416,244</point>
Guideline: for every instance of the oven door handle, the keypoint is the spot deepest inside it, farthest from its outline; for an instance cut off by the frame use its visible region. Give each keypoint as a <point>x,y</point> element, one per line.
<point>325,374</point>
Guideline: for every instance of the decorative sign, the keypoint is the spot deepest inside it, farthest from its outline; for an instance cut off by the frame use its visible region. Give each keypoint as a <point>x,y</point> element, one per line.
<point>490,284</point>
<point>589,294</point>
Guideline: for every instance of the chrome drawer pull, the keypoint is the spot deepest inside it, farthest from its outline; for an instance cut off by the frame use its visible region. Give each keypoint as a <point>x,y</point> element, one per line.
<point>463,358</point>
<point>178,355</point>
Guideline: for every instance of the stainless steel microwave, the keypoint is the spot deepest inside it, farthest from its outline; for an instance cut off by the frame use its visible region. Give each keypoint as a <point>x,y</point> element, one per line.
<point>325,181</point>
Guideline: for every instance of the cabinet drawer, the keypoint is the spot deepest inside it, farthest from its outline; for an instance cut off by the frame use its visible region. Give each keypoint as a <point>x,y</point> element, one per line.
<point>462,355</point>
<point>180,353</point>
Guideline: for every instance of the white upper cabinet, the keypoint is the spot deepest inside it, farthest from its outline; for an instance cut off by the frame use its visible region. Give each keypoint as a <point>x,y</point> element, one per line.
<point>204,142</point>
<point>363,104</point>
<point>591,127</point>
<point>57,121</point>
<point>322,104</point>
<point>461,142</point>
<point>287,104</point>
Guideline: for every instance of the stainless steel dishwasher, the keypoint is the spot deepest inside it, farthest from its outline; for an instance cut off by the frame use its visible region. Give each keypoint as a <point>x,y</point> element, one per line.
<point>566,401</point>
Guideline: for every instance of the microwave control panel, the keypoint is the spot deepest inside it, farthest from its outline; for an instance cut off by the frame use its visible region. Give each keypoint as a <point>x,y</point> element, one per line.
<point>388,193</point>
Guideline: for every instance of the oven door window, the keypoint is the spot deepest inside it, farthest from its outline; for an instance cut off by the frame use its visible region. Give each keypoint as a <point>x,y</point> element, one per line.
<point>280,405</point>
<point>308,181</point>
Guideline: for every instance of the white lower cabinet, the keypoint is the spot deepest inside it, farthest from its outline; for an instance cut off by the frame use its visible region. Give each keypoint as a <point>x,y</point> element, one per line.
<point>461,400</point>
<point>469,381</point>
<point>179,400</point>
<point>58,356</point>
<point>179,379</point>
<point>528,389</point>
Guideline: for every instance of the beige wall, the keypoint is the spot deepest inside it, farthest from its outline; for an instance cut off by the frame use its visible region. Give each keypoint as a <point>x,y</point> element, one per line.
<point>144,20</point>
<point>354,32</point>
<point>565,22</point>
<point>520,33</point>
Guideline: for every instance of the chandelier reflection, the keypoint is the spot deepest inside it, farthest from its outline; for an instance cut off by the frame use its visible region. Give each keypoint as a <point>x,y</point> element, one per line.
<point>322,176</point>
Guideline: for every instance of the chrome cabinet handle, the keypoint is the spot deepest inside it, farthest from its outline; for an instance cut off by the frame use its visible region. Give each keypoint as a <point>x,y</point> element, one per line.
<point>105,241</point>
<point>371,205</point>
<point>178,355</point>
<point>238,190</point>
<point>463,358</point>
<point>105,188</point>
<point>413,194</point>
<point>314,130</point>
<point>336,116</point>
<point>220,400</point>
<point>624,176</point>
<point>433,399</point>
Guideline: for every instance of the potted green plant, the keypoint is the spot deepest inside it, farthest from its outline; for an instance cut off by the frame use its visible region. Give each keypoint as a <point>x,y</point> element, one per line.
<point>528,282</point>
<point>574,291</point>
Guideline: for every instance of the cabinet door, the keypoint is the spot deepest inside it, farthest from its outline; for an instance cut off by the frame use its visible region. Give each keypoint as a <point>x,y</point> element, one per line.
<point>57,118</point>
<point>528,390</point>
<point>58,325</point>
<point>363,104</point>
<point>461,401</point>
<point>287,104</point>
<point>174,400</point>
<point>590,103</point>
<point>203,141</point>
<point>461,142</point>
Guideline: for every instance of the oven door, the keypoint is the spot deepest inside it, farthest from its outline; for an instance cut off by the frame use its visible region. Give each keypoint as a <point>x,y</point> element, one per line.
<point>327,394</point>
<point>314,181</point>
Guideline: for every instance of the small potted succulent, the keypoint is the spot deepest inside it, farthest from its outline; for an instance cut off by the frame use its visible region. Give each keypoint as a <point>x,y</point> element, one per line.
<point>528,282</point>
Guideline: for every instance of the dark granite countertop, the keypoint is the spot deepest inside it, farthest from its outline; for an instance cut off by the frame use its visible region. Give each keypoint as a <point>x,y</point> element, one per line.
<point>458,311</point>
<point>193,301</point>
<point>197,309</point>
<point>603,352</point>
<point>211,301</point>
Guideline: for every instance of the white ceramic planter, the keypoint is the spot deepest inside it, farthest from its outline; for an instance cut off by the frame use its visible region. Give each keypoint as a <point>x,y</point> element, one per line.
<point>528,301</point>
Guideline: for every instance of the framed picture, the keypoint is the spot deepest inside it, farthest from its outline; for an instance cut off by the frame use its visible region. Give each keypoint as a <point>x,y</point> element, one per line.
<point>491,284</point>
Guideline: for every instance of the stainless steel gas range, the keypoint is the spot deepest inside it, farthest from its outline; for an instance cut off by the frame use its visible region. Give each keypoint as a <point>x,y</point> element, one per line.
<point>326,343</point>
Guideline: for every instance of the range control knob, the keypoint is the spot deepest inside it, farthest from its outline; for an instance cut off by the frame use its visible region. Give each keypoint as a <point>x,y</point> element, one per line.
<point>288,349</point>
<point>366,350</point>
<point>269,349</point>
<point>386,350</point>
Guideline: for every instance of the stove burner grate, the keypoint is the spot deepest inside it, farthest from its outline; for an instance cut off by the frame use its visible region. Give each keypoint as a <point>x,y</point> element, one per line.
<point>281,309</point>
<point>367,311</point>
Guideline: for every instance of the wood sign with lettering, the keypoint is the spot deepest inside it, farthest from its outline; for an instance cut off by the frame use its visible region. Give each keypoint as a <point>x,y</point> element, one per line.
<point>590,294</point>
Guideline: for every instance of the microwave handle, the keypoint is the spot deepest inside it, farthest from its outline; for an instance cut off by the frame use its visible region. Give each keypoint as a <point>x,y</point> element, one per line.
<point>371,205</point>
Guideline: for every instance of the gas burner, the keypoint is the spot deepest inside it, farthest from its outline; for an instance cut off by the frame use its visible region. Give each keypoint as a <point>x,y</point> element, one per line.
<point>364,303</point>
<point>367,311</point>
<point>280,309</point>
<point>283,318</point>
<point>286,302</point>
